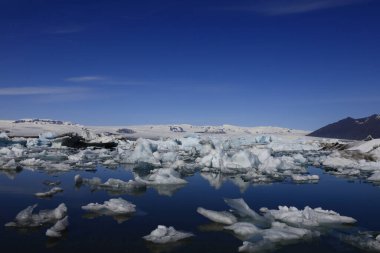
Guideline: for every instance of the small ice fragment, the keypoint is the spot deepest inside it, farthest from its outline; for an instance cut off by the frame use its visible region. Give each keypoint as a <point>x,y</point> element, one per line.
<point>163,234</point>
<point>218,217</point>
<point>50,193</point>
<point>243,228</point>
<point>117,206</point>
<point>305,178</point>
<point>58,228</point>
<point>375,177</point>
<point>26,218</point>
<point>308,217</point>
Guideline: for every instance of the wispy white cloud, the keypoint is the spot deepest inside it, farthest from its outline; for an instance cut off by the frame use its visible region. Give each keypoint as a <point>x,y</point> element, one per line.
<point>78,79</point>
<point>39,90</point>
<point>286,7</point>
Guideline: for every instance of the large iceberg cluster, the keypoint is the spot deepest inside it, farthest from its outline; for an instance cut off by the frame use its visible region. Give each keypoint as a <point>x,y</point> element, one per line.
<point>286,225</point>
<point>249,158</point>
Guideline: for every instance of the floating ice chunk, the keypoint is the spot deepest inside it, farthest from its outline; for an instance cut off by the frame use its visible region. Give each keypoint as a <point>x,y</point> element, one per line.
<point>117,206</point>
<point>9,165</point>
<point>32,162</point>
<point>51,183</point>
<point>243,229</point>
<point>308,217</point>
<point>367,146</point>
<point>263,139</point>
<point>50,193</point>
<point>3,135</point>
<point>242,160</point>
<point>305,178</point>
<point>243,210</point>
<point>164,234</point>
<point>26,218</point>
<point>278,234</point>
<point>260,246</point>
<point>143,152</point>
<point>56,230</point>
<point>218,217</point>
<point>363,242</point>
<point>375,177</point>
<point>299,158</point>
<point>122,185</point>
<point>165,176</point>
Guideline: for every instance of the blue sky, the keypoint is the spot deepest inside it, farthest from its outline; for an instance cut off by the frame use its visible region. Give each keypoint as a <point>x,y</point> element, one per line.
<point>291,63</point>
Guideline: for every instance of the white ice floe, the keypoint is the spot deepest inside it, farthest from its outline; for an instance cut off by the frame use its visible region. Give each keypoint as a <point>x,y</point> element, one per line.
<point>276,228</point>
<point>367,146</point>
<point>49,193</point>
<point>56,230</point>
<point>32,162</point>
<point>163,234</point>
<point>375,177</point>
<point>218,216</point>
<point>244,229</point>
<point>164,176</point>
<point>26,218</point>
<point>111,184</point>
<point>364,242</point>
<point>305,178</point>
<point>241,208</point>
<point>279,234</point>
<point>117,206</point>
<point>307,217</point>
<point>143,152</point>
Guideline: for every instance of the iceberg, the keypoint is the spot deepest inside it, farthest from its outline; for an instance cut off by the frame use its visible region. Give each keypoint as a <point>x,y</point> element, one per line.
<point>305,178</point>
<point>49,193</point>
<point>218,217</point>
<point>26,218</point>
<point>244,229</point>
<point>165,176</point>
<point>114,185</point>
<point>56,230</point>
<point>307,217</point>
<point>375,177</point>
<point>163,234</point>
<point>111,207</point>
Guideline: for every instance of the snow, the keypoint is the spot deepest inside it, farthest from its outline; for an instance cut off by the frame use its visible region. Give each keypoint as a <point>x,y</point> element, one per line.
<point>163,234</point>
<point>117,206</point>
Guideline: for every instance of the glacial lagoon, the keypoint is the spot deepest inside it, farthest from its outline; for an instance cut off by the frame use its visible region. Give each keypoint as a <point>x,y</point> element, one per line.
<point>176,206</point>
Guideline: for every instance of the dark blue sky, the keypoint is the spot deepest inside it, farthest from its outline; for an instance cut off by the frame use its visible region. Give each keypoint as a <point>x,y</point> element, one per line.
<point>291,63</point>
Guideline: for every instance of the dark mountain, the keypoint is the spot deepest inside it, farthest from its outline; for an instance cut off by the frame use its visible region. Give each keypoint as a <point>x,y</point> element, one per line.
<point>352,129</point>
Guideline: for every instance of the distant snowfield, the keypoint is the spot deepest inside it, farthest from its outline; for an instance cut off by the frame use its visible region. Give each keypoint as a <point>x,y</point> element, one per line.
<point>34,128</point>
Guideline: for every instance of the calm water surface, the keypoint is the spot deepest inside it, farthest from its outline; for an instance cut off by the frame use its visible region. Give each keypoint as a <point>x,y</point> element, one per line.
<point>106,234</point>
